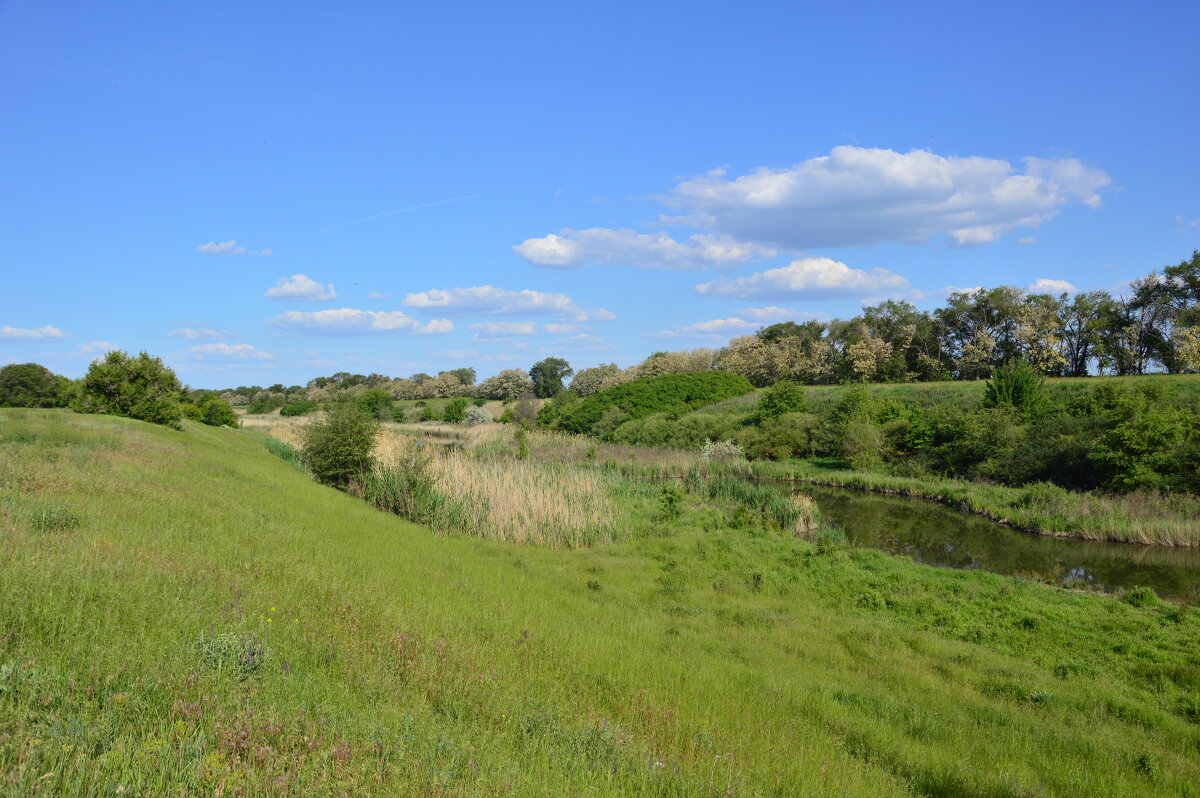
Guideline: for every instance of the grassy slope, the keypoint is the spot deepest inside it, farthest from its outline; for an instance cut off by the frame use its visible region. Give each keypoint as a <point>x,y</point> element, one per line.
<point>708,662</point>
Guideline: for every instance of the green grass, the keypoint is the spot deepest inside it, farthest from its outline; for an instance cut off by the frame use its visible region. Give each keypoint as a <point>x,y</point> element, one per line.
<point>218,623</point>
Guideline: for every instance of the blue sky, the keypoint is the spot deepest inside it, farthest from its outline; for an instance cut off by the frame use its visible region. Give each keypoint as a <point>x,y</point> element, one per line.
<point>265,193</point>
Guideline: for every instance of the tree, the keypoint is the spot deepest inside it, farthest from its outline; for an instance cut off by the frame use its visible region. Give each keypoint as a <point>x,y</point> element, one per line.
<point>598,378</point>
<point>211,409</point>
<point>31,385</point>
<point>337,447</point>
<point>508,384</point>
<point>548,375</point>
<point>135,387</point>
<point>455,410</point>
<point>465,375</point>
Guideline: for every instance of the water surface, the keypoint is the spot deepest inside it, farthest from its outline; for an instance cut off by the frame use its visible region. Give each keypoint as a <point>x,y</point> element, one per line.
<point>936,535</point>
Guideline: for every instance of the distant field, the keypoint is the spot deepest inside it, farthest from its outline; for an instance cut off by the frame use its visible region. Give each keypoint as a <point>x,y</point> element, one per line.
<point>183,613</point>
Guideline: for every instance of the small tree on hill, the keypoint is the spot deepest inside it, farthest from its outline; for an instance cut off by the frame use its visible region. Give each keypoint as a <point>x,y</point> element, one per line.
<point>337,446</point>
<point>31,385</point>
<point>135,387</point>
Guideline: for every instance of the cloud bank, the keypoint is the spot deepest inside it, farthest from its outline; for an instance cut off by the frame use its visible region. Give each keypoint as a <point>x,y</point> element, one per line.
<point>350,321</point>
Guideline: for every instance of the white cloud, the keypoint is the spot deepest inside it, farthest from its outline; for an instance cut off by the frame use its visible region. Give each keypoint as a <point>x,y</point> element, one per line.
<point>560,329</point>
<point>349,321</point>
<point>747,320</point>
<point>457,354</point>
<point>377,295</point>
<point>47,333</point>
<point>1046,286</point>
<point>1026,241</point>
<point>604,247</point>
<point>856,196</point>
<point>97,347</point>
<point>230,247</point>
<point>226,352</point>
<point>490,300</point>
<point>504,327</point>
<point>809,278</point>
<point>201,334</point>
<point>300,287</point>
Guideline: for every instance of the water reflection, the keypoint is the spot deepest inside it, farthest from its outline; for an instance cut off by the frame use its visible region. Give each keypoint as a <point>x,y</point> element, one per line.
<point>937,535</point>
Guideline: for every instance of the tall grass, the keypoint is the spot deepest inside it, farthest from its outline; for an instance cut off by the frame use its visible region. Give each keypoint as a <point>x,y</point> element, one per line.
<point>796,513</point>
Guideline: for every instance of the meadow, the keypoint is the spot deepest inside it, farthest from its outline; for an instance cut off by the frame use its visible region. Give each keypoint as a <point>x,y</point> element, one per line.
<point>188,613</point>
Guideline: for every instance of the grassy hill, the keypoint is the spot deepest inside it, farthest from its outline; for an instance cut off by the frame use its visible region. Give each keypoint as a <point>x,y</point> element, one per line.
<point>184,613</point>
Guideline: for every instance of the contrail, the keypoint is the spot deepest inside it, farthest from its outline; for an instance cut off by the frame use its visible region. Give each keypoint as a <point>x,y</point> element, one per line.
<point>382,214</point>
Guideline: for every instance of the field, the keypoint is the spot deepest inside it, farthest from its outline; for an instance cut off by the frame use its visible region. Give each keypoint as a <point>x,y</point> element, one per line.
<point>185,613</point>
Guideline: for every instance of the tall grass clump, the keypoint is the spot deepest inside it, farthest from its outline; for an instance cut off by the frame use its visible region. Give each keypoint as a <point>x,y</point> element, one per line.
<point>796,513</point>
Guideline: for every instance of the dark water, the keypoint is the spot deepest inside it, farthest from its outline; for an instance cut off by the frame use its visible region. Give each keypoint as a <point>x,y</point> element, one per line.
<point>941,536</point>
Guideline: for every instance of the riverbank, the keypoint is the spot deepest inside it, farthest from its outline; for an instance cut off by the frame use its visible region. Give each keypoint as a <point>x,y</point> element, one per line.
<point>1043,509</point>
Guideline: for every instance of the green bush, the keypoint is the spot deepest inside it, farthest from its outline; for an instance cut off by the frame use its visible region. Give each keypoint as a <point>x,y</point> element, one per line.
<point>454,411</point>
<point>1018,385</point>
<point>337,447</point>
<point>265,405</point>
<point>862,443</point>
<point>300,407</point>
<point>377,402</point>
<point>476,415</point>
<point>673,394</point>
<point>32,385</point>
<point>780,437</point>
<point>782,397</point>
<point>135,387</point>
<point>211,409</point>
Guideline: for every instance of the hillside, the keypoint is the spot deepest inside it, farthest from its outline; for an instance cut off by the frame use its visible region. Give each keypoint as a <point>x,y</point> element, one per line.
<point>184,613</point>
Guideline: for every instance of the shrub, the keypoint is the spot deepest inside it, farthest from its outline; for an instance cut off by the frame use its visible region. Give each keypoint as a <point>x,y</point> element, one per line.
<point>404,488</point>
<point>782,397</point>
<point>377,402</point>
<point>673,394</point>
<point>31,385</point>
<point>337,447</point>
<point>475,416</point>
<point>301,407</point>
<point>212,410</point>
<point>135,387</point>
<point>726,451</point>
<point>780,438</point>
<point>454,411</point>
<point>862,443</point>
<point>427,414</point>
<point>525,410</point>
<point>1018,385</point>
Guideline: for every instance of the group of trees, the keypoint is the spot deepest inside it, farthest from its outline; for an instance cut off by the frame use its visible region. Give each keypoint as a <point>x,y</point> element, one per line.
<point>138,387</point>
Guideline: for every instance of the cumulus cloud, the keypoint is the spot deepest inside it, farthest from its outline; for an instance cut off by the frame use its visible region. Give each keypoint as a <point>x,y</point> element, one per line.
<point>300,287</point>
<point>47,333</point>
<point>809,278</point>
<point>377,295</point>
<point>560,329</point>
<point>493,301</point>
<point>349,321</point>
<point>201,334</point>
<point>504,327</point>
<point>230,247</point>
<point>856,196</point>
<point>744,321</point>
<point>600,246</point>
<point>226,352</point>
<point>1046,286</point>
<point>97,347</point>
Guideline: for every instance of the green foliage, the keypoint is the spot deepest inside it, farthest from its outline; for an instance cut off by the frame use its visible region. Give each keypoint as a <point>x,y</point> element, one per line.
<point>455,410</point>
<point>669,500</point>
<point>31,385</point>
<point>135,387</point>
<point>337,446</point>
<point>405,488</point>
<point>428,414</point>
<point>672,393</point>
<point>782,397</point>
<point>476,415</point>
<point>862,443</point>
<point>376,402</point>
<point>780,437</point>
<point>548,376</point>
<point>265,405</point>
<point>522,438</point>
<point>300,407</point>
<point>1018,385</point>
<point>208,408</point>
